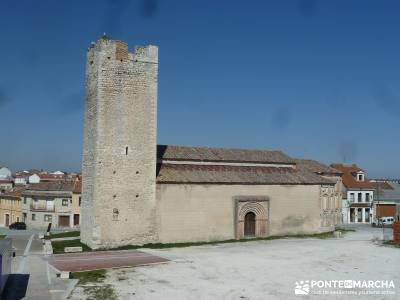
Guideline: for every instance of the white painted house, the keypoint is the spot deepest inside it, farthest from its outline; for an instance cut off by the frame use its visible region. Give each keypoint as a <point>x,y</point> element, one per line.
<point>358,196</point>
<point>34,178</point>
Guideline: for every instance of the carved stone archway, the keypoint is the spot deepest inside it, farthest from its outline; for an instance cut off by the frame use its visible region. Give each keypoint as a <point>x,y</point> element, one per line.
<point>257,205</point>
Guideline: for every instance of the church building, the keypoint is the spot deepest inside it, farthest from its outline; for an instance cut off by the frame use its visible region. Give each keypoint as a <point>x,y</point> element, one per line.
<point>136,192</point>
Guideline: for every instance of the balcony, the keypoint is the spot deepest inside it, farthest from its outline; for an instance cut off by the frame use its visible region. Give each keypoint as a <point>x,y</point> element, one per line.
<point>43,208</point>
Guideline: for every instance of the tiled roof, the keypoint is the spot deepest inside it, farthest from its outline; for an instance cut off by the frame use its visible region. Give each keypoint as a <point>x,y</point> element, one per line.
<point>53,186</point>
<point>382,185</point>
<point>26,175</point>
<point>223,174</point>
<point>15,193</point>
<point>316,167</point>
<point>349,180</point>
<point>52,176</point>
<point>5,181</point>
<point>206,154</point>
<point>392,194</point>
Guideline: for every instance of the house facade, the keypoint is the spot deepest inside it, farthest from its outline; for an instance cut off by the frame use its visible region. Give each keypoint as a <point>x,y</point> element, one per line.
<point>11,206</point>
<point>358,195</point>
<point>21,179</point>
<point>331,196</point>
<point>76,203</point>
<point>48,202</point>
<point>6,185</point>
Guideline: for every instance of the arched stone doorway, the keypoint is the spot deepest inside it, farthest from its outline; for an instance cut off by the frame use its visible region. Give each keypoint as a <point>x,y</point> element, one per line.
<point>250,224</point>
<point>251,217</point>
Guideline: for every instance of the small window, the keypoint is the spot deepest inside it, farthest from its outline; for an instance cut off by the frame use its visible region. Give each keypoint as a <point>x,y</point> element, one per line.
<point>33,217</point>
<point>80,201</point>
<point>24,200</point>
<point>64,202</point>
<point>126,150</point>
<point>352,197</point>
<point>360,177</point>
<point>47,218</point>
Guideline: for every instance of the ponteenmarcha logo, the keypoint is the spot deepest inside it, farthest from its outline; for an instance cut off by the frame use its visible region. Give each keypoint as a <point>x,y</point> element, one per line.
<point>302,287</point>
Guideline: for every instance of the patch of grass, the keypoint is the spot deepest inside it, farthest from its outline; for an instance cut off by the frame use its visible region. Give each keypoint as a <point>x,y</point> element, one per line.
<point>93,286</point>
<point>63,235</point>
<point>391,243</point>
<point>89,276</point>
<point>2,237</point>
<point>122,278</point>
<point>96,292</point>
<point>322,235</point>
<point>58,246</point>
<point>345,230</point>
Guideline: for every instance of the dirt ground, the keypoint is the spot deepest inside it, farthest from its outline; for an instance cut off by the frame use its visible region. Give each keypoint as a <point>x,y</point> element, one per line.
<point>262,270</point>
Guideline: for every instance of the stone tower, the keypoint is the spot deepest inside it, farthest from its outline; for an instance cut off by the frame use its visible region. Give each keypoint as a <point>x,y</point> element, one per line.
<point>119,154</point>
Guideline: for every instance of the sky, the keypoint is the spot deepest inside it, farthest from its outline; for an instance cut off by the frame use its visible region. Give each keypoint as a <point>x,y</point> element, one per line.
<point>315,79</point>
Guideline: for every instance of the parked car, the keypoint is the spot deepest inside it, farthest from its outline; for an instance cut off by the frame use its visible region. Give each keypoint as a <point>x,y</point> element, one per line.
<point>384,221</point>
<point>18,226</point>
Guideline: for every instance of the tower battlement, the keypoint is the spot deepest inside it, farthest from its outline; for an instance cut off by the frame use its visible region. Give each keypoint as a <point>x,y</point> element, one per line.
<point>119,50</point>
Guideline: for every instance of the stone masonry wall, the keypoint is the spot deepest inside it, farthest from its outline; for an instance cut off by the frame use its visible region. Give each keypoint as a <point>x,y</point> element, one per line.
<point>197,212</point>
<point>119,155</point>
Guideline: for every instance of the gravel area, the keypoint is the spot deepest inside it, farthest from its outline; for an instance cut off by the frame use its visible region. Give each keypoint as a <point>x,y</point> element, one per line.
<point>263,269</point>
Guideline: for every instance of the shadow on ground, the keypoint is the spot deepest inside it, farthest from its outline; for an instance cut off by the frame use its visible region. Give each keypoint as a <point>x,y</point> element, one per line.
<point>15,287</point>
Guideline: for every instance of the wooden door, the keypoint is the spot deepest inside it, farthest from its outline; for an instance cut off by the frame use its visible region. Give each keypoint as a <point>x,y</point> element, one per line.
<point>250,224</point>
<point>76,219</point>
<point>7,220</point>
<point>63,221</point>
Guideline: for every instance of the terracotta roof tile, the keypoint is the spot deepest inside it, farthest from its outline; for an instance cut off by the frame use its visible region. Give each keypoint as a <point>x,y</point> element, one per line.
<point>317,167</point>
<point>65,186</point>
<point>15,193</point>
<point>223,174</point>
<point>349,179</point>
<point>207,154</point>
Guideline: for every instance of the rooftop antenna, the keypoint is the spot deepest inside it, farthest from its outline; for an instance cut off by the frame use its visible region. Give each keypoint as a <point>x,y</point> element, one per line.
<point>105,37</point>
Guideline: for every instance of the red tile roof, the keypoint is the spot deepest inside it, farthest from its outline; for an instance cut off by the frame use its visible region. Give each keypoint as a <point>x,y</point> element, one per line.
<point>383,185</point>
<point>349,179</point>
<point>226,174</point>
<point>5,181</point>
<point>15,193</point>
